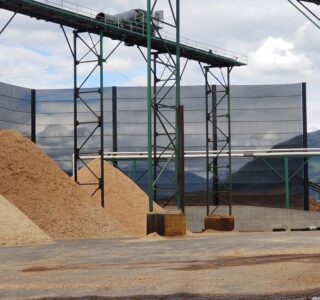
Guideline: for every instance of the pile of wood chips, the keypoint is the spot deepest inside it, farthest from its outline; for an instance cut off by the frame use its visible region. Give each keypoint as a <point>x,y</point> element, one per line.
<point>37,186</point>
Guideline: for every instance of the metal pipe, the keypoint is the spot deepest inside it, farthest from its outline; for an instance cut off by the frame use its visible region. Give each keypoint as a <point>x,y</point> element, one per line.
<point>143,156</point>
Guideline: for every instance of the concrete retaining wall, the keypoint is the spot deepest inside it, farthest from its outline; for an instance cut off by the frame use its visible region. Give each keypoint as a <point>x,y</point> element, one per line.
<point>252,218</point>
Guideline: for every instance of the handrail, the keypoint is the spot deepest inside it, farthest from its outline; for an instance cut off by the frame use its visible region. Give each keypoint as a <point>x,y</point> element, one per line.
<point>91,13</point>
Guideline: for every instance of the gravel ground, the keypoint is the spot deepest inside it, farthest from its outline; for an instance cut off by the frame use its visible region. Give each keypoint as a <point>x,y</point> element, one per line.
<point>210,266</point>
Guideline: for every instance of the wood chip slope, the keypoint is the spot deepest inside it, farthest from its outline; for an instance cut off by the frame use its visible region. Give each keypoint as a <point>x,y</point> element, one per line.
<point>124,199</point>
<point>17,229</point>
<point>32,181</point>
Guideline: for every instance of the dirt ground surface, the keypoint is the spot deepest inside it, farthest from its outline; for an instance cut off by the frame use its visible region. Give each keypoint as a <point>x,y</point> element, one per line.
<point>282,265</point>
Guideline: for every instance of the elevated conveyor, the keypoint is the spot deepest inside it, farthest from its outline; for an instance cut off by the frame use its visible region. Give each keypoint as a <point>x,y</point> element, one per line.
<point>48,11</point>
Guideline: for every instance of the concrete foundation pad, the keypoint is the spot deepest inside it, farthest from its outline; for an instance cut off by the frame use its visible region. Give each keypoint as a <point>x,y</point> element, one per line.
<point>220,223</point>
<point>167,224</point>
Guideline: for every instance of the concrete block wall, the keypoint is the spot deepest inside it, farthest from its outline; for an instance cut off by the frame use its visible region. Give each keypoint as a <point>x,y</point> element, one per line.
<point>255,219</point>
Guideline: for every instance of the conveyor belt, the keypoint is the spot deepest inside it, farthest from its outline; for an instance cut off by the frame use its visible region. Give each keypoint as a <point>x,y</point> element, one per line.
<point>81,22</point>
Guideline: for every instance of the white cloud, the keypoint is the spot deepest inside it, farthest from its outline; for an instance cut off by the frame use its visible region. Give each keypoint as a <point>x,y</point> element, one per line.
<point>278,55</point>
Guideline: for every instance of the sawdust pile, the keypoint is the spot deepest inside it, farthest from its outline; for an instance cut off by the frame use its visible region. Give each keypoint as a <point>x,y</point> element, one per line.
<point>124,200</point>
<point>314,205</point>
<point>32,182</point>
<point>17,229</point>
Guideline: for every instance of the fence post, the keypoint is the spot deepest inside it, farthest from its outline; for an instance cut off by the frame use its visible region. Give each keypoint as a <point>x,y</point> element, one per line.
<point>305,145</point>
<point>33,115</point>
<point>114,123</point>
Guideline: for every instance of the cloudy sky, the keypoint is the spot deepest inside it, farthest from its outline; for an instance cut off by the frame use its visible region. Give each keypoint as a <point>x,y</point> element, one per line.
<point>282,46</point>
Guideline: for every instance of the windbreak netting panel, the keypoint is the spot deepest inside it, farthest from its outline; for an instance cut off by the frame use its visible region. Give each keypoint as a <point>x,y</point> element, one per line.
<point>132,133</point>
<point>262,117</point>
<point>15,109</point>
<point>266,117</point>
<point>55,119</point>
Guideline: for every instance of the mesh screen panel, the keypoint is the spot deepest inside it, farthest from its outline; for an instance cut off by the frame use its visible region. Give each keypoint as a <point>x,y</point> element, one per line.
<point>263,117</point>
<point>15,108</point>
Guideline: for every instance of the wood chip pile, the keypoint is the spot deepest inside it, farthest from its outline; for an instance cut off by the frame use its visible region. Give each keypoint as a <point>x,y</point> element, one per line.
<point>124,200</point>
<point>32,182</point>
<point>17,229</point>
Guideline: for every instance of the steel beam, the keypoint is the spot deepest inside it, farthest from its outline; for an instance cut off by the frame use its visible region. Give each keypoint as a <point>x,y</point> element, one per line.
<point>7,24</point>
<point>33,116</point>
<point>305,145</point>
<point>307,11</point>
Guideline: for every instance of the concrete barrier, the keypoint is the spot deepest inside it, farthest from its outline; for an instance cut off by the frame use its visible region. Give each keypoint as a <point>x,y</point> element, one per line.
<point>255,219</point>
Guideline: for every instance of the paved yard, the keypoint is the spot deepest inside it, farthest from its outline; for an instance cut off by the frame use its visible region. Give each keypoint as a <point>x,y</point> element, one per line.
<point>220,266</point>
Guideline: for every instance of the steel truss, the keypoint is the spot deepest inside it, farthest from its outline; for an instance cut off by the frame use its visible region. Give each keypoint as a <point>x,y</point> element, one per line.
<point>218,137</point>
<point>88,52</point>
<point>165,117</point>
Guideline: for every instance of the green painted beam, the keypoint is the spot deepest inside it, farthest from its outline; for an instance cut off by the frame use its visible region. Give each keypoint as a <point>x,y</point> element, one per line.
<point>149,108</point>
<point>178,102</point>
<point>286,182</point>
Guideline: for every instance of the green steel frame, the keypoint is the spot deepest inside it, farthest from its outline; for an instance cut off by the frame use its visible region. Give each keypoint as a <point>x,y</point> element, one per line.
<point>166,52</point>
<point>218,137</point>
<point>286,177</point>
<point>168,137</point>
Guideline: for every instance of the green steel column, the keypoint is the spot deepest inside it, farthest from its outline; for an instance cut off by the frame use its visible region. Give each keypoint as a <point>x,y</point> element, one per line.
<point>286,182</point>
<point>75,106</point>
<point>178,129</point>
<point>134,170</point>
<point>229,137</point>
<point>149,97</point>
<point>101,180</point>
<point>207,92</point>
